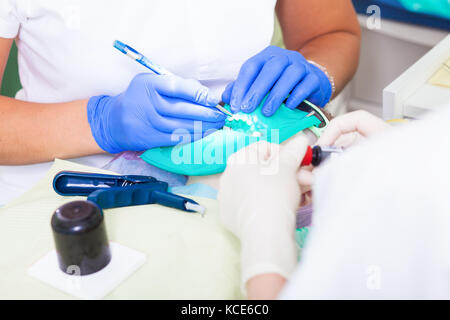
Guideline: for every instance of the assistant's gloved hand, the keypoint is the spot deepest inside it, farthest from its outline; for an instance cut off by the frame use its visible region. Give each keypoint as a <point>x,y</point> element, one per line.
<point>345,131</point>
<point>258,198</point>
<point>150,110</point>
<point>351,128</point>
<point>282,72</point>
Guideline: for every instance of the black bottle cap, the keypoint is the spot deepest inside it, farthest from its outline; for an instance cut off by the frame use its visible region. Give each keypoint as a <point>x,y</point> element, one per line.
<point>317,156</point>
<point>80,238</point>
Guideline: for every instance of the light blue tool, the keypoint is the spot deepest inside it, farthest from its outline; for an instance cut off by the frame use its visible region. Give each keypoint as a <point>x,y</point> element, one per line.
<point>139,57</point>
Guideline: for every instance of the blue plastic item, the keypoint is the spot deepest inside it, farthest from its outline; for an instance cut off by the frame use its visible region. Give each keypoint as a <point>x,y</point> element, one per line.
<point>140,58</point>
<point>70,183</point>
<point>152,193</point>
<point>110,191</point>
<point>278,73</point>
<point>149,111</point>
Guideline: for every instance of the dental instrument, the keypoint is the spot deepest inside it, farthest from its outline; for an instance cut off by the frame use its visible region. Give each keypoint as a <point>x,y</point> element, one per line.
<point>316,155</point>
<point>109,191</point>
<point>140,58</point>
<point>220,106</point>
<point>135,55</point>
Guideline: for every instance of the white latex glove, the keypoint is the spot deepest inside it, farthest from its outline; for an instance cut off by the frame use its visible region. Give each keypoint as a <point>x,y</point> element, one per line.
<point>258,198</point>
<point>351,128</point>
<point>345,131</point>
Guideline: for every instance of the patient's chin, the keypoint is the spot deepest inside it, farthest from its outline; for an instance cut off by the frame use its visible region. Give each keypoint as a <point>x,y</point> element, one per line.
<point>306,199</point>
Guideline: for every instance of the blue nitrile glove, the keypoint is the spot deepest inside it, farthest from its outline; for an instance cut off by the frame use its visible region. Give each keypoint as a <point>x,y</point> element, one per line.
<point>150,110</point>
<point>282,73</point>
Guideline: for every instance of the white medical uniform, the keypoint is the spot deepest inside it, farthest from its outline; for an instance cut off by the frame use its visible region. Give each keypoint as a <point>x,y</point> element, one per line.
<point>382,219</point>
<point>66,52</point>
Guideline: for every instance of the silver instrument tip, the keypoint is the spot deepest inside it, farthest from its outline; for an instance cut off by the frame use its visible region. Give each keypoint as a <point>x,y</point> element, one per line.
<point>195,207</point>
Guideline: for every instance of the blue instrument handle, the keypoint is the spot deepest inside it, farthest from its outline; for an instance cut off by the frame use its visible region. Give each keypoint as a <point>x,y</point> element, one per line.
<point>70,183</point>
<point>136,195</point>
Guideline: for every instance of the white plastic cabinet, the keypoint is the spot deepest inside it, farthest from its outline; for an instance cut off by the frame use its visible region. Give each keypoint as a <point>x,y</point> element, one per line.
<point>386,52</point>
<point>410,95</point>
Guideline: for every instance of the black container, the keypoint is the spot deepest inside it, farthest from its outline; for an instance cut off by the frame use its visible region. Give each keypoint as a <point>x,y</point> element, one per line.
<point>80,238</point>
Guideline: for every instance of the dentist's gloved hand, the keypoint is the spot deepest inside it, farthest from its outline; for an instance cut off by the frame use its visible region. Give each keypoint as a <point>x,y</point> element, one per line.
<point>150,110</point>
<point>258,198</point>
<point>345,131</point>
<point>281,72</point>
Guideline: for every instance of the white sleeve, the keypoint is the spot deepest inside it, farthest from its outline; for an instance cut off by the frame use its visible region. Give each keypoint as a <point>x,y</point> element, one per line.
<point>381,221</point>
<point>9,19</point>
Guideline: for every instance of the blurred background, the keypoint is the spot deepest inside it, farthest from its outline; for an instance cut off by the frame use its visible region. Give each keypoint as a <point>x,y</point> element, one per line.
<point>11,81</point>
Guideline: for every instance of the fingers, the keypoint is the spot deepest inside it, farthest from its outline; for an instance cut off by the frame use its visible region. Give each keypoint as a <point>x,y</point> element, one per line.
<point>275,70</point>
<point>170,125</point>
<point>226,95</point>
<point>361,122</point>
<point>305,178</point>
<point>255,153</point>
<point>292,75</point>
<point>349,139</point>
<point>293,152</point>
<point>172,139</point>
<point>176,108</point>
<point>179,99</point>
<point>309,85</point>
<point>169,139</point>
<point>268,76</point>
<point>318,98</point>
<point>262,149</point>
<point>174,104</point>
<point>247,75</point>
<point>187,89</point>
